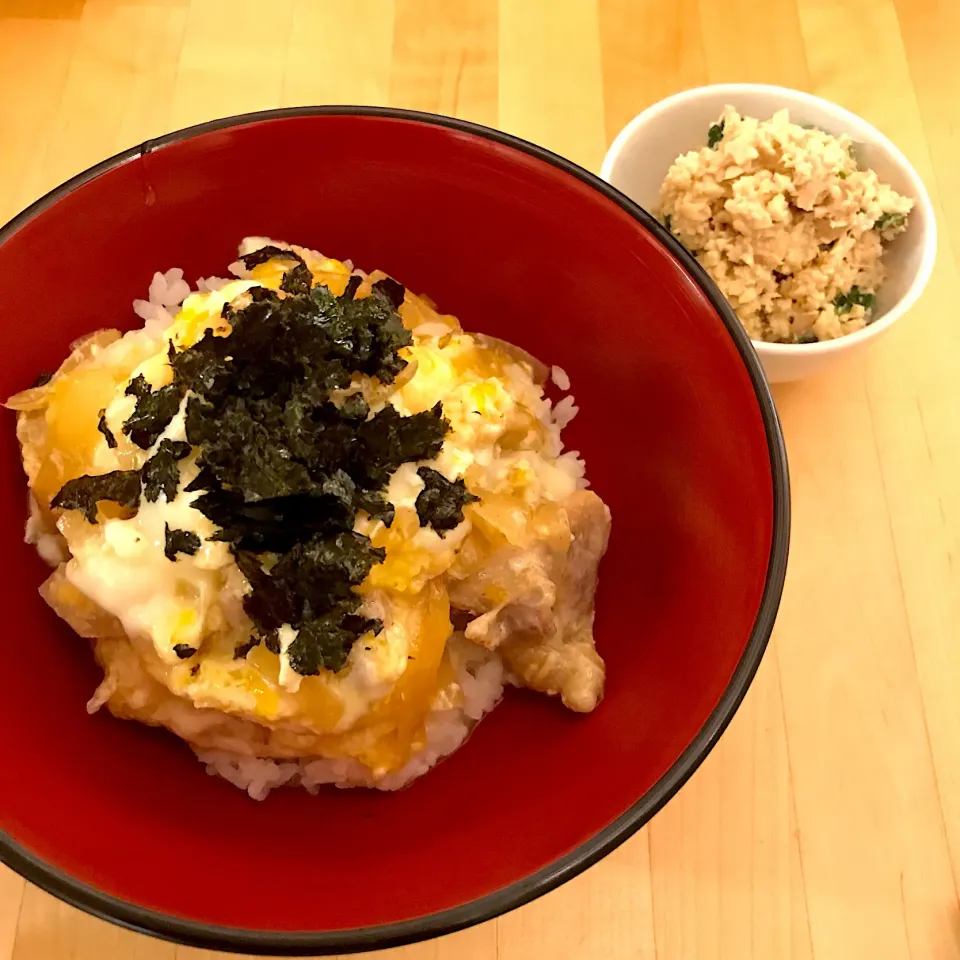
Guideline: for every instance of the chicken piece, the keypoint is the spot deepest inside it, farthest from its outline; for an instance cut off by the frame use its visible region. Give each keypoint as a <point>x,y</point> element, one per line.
<point>565,661</point>
<point>520,579</point>
<point>536,607</point>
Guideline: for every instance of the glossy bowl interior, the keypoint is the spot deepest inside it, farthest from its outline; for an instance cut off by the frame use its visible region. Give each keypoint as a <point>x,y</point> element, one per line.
<point>680,439</point>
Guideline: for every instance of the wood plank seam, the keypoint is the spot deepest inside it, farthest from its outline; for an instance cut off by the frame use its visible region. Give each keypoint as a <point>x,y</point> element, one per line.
<point>793,807</point>
<point>903,595</point>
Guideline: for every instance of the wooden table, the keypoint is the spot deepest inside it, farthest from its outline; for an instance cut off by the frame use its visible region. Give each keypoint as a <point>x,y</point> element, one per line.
<point>827,822</point>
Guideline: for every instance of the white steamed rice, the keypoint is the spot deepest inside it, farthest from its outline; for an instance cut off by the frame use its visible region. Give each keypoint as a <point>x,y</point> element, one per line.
<point>480,676</point>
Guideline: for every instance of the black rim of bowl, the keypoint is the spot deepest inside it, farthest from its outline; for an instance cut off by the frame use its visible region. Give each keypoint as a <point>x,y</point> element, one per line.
<point>296,943</point>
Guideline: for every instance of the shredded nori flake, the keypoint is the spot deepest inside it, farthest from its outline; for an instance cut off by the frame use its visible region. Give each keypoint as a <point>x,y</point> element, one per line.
<point>184,651</point>
<point>242,649</point>
<point>311,579</point>
<point>84,493</point>
<point>179,541</point>
<point>106,431</point>
<point>377,507</point>
<point>325,642</point>
<point>320,643</point>
<point>272,642</point>
<point>361,625</point>
<point>298,279</point>
<point>392,290</point>
<point>269,252</point>
<point>353,285</point>
<point>160,473</point>
<point>390,439</point>
<point>354,407</point>
<point>441,501</point>
<point>153,412</point>
<point>283,470</point>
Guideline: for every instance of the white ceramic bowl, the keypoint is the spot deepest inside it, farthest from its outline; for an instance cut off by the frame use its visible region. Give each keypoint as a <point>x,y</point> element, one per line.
<point>638,160</point>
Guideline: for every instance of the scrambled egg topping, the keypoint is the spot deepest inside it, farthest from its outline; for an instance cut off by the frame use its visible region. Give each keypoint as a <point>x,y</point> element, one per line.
<point>117,583</point>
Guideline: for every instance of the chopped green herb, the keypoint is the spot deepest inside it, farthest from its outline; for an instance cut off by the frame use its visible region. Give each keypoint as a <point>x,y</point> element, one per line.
<point>715,134</point>
<point>891,221</point>
<point>842,174</point>
<point>179,541</point>
<point>854,297</point>
<point>667,221</point>
<point>440,503</point>
<point>106,431</point>
<point>808,336</point>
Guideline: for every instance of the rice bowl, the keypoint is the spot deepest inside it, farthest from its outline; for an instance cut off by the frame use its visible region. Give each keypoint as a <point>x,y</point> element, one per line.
<point>679,663</point>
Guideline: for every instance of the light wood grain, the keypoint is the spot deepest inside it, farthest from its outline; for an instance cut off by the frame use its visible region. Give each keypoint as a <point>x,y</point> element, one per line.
<point>827,822</point>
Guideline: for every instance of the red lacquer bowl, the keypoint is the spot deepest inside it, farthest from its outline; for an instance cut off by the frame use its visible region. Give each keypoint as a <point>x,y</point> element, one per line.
<point>680,437</point>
